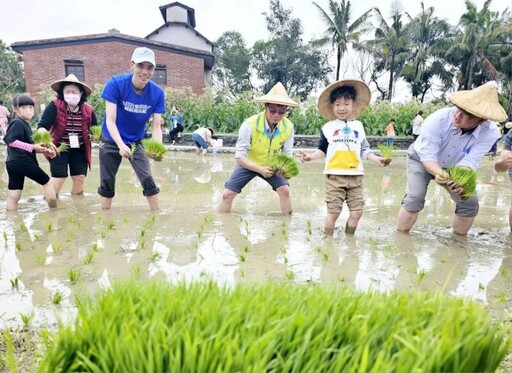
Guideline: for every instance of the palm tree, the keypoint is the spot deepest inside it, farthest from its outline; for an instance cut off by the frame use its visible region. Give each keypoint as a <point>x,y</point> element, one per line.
<point>425,63</point>
<point>475,50</point>
<point>340,32</point>
<point>390,46</point>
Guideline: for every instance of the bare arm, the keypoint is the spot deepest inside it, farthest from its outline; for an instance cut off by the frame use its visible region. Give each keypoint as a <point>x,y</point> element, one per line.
<point>504,162</point>
<point>305,157</point>
<point>156,132</point>
<point>111,114</point>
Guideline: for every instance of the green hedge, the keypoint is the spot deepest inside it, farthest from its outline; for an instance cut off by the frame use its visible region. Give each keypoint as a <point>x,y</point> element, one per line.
<point>225,114</point>
<point>201,327</point>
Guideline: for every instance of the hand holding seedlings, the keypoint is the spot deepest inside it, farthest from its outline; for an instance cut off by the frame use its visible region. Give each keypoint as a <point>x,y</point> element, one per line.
<point>125,151</point>
<point>45,149</point>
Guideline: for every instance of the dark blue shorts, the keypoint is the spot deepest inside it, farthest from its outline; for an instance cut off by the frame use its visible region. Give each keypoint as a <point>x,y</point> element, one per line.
<point>241,176</point>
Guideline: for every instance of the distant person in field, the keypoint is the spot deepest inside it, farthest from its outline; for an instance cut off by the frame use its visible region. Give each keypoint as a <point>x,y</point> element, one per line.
<point>417,122</point>
<point>504,164</point>
<point>4,118</point>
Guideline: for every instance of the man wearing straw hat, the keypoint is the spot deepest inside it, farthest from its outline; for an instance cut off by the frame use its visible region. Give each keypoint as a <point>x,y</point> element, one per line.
<point>260,138</point>
<point>504,163</point>
<point>456,136</point>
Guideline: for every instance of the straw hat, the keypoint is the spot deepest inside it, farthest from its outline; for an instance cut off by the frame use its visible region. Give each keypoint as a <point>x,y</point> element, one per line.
<point>482,102</point>
<point>277,95</point>
<point>71,78</point>
<point>363,96</point>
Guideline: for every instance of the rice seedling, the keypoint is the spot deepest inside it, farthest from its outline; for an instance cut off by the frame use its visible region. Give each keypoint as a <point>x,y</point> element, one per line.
<point>154,149</point>
<point>389,249</point>
<point>103,234</point>
<point>71,235</point>
<point>504,273</point>
<point>290,275</point>
<point>49,227</point>
<point>74,275</point>
<point>23,227</point>
<point>341,278</point>
<point>387,152</point>
<point>422,274</point>
<point>63,147</point>
<point>71,218</point>
<point>17,246</point>
<point>481,286</point>
<point>325,256</point>
<point>37,236</point>
<point>288,330</point>
<point>283,250</point>
<point>9,360</point>
<point>95,247</point>
<point>462,177</point>
<point>246,248</point>
<point>126,220</point>
<point>95,132</point>
<point>56,247</point>
<point>284,166</point>
<point>5,236</point>
<point>372,241</point>
<point>285,260</point>
<point>15,282</point>
<point>502,297</point>
<point>208,219</point>
<point>44,138</point>
<point>137,271</point>
<point>242,258</point>
<point>142,243</point>
<point>155,255</point>
<point>309,229</point>
<point>142,232</point>
<point>40,259</point>
<point>284,231</point>
<point>57,297</point>
<point>318,249</point>
<point>27,318</point>
<point>111,225</point>
<point>89,256</point>
<point>200,231</point>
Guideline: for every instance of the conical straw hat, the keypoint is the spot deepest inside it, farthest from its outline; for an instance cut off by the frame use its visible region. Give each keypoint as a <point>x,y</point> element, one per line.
<point>71,78</point>
<point>363,96</point>
<point>277,95</point>
<point>482,102</point>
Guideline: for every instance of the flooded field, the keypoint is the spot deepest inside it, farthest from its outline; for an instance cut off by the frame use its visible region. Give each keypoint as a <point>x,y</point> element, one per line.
<point>47,257</point>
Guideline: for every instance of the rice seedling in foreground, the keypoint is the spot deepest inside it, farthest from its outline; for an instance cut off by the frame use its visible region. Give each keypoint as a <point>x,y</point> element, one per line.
<point>201,327</point>
<point>285,166</point>
<point>387,152</point>
<point>63,147</point>
<point>464,178</point>
<point>154,149</point>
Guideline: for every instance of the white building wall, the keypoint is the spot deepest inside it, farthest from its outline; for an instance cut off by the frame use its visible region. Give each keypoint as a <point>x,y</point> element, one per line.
<point>180,35</point>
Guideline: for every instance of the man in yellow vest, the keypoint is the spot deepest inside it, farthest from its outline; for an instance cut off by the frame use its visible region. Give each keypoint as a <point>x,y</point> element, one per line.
<point>260,138</point>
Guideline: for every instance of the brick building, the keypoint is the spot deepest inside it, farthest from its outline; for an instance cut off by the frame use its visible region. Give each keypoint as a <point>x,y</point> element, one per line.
<point>184,57</point>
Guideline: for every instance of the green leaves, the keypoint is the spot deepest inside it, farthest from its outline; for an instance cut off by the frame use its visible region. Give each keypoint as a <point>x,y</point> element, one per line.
<point>154,326</point>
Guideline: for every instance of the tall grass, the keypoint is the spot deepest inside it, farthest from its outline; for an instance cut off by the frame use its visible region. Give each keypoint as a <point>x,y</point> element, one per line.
<point>156,327</point>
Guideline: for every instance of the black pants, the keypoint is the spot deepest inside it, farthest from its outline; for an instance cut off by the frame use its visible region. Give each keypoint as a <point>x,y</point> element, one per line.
<point>175,131</point>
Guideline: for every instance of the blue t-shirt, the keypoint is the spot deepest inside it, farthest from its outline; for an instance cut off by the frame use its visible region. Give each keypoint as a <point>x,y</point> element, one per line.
<point>133,110</point>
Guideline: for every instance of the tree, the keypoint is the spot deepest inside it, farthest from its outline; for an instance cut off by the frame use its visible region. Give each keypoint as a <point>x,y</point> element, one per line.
<point>232,69</point>
<point>285,58</point>
<point>425,63</point>
<point>476,49</point>
<point>340,32</point>
<point>390,46</point>
<point>11,72</point>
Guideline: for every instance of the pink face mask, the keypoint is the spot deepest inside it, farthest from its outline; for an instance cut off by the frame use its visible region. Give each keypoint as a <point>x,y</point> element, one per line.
<point>72,99</point>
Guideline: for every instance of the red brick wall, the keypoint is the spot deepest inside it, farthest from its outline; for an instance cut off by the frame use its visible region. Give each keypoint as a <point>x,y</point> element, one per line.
<point>102,61</point>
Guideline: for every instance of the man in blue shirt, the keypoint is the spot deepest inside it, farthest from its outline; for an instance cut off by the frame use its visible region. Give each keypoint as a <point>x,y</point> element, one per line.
<point>456,136</point>
<point>131,99</point>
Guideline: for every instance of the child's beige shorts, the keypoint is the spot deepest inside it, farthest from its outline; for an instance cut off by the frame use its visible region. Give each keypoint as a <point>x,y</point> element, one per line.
<point>341,188</point>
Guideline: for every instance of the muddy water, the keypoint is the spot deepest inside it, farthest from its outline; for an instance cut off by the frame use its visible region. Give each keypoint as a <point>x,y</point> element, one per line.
<point>188,239</point>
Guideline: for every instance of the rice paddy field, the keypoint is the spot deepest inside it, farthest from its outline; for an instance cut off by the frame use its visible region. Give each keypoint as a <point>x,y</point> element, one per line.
<point>49,257</point>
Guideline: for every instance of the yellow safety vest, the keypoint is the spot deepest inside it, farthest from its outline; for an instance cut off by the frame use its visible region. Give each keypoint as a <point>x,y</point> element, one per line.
<point>265,146</point>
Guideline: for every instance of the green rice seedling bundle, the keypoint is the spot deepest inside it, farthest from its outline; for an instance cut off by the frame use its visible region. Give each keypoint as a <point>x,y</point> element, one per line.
<point>153,326</point>
<point>63,147</point>
<point>95,133</point>
<point>387,152</point>
<point>43,138</point>
<point>285,166</point>
<point>154,149</point>
<point>464,178</point>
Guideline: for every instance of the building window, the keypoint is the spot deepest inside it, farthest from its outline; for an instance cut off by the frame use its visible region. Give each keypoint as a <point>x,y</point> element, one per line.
<point>75,67</point>
<point>160,75</point>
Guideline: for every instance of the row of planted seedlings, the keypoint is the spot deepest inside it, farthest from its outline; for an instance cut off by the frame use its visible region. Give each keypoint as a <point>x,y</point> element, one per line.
<point>154,326</point>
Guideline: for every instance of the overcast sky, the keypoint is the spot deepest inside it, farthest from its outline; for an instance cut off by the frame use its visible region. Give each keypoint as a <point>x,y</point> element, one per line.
<point>37,19</point>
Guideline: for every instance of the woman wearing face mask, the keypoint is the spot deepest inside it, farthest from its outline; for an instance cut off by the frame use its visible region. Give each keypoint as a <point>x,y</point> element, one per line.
<point>68,118</point>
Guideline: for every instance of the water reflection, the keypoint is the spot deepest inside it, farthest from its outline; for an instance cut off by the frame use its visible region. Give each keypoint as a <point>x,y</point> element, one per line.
<point>188,240</point>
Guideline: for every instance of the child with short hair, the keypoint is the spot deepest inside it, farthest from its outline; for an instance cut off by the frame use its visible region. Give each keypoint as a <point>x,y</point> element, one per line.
<point>343,143</point>
<point>21,159</point>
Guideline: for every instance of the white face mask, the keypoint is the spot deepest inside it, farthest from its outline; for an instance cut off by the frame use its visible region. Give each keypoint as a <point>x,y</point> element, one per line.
<point>72,99</point>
